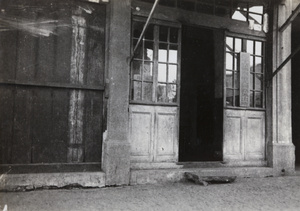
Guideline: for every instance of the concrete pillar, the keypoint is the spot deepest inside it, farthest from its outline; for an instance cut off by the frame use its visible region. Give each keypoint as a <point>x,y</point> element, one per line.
<point>116,149</point>
<point>281,151</point>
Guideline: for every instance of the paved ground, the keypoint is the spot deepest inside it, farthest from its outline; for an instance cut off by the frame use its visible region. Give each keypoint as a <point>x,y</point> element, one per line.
<point>281,193</point>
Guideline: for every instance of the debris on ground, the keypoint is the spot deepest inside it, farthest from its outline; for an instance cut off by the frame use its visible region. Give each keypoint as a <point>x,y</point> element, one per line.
<point>208,179</point>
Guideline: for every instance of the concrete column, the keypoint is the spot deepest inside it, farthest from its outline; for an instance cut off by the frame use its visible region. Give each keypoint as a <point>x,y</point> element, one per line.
<point>116,149</point>
<point>281,152</point>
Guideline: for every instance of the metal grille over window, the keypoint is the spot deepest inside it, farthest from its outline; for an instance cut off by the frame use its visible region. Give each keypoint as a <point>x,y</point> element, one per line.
<point>248,80</point>
<point>154,68</point>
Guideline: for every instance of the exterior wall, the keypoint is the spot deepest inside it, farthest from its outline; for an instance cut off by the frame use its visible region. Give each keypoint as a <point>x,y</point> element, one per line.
<point>116,147</point>
<point>280,151</point>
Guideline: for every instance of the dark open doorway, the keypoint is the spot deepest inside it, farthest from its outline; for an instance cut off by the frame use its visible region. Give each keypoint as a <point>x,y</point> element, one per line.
<point>296,88</point>
<point>201,117</point>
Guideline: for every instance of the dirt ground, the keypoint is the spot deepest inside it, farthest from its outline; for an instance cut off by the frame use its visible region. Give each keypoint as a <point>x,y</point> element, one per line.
<point>282,193</point>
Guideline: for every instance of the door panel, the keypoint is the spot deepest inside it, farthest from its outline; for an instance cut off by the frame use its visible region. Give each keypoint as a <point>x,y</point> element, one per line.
<point>166,148</point>
<point>233,144</point>
<point>254,144</point>
<point>153,133</point>
<point>244,135</point>
<point>141,132</point>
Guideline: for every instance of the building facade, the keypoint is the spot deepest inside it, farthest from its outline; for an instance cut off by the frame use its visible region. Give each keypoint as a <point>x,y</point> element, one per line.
<point>91,96</point>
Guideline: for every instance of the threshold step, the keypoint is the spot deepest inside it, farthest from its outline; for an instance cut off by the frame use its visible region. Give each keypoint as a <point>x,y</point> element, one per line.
<point>152,176</point>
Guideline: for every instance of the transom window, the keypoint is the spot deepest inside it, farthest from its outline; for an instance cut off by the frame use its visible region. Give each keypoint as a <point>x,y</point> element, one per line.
<point>254,75</point>
<point>155,66</point>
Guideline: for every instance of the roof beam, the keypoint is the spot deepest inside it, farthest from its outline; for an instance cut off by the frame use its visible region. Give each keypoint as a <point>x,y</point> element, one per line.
<point>290,19</point>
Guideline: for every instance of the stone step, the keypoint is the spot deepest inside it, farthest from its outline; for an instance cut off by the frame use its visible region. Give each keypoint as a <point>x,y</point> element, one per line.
<point>152,176</point>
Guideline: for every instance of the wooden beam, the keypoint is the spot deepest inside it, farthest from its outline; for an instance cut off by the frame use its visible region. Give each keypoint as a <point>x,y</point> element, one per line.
<point>194,18</point>
<point>285,61</point>
<point>290,19</point>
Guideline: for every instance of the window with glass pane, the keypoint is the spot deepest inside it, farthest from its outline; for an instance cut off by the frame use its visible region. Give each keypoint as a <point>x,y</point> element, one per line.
<point>234,46</point>
<point>154,69</point>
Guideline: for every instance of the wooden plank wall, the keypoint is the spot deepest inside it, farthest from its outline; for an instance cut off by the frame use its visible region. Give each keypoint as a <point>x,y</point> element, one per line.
<point>37,91</point>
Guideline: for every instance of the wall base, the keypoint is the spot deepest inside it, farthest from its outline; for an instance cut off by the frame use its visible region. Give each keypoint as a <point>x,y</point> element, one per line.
<point>116,162</point>
<point>15,182</point>
<point>282,158</point>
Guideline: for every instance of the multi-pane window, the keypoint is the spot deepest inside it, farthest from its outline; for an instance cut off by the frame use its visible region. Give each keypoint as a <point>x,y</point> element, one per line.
<point>155,66</point>
<point>254,74</point>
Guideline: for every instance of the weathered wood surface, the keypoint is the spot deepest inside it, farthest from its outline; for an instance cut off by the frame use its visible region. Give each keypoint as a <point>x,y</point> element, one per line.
<point>209,179</point>
<point>48,111</point>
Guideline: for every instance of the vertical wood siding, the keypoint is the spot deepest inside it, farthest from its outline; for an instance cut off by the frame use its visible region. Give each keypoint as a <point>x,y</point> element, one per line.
<point>51,87</point>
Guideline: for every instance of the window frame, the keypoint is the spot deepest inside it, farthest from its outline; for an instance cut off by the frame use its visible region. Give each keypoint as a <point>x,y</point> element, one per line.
<point>156,23</point>
<point>244,39</point>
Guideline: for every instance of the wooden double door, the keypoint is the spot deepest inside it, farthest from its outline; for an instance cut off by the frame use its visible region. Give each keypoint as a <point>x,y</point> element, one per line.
<point>214,118</point>
<point>153,133</point>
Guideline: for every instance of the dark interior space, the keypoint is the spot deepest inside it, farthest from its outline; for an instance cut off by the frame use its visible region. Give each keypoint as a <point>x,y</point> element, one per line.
<point>198,113</point>
<point>296,88</point>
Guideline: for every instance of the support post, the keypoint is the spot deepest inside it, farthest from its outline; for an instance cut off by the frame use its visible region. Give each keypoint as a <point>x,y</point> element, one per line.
<point>281,151</point>
<point>116,148</point>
